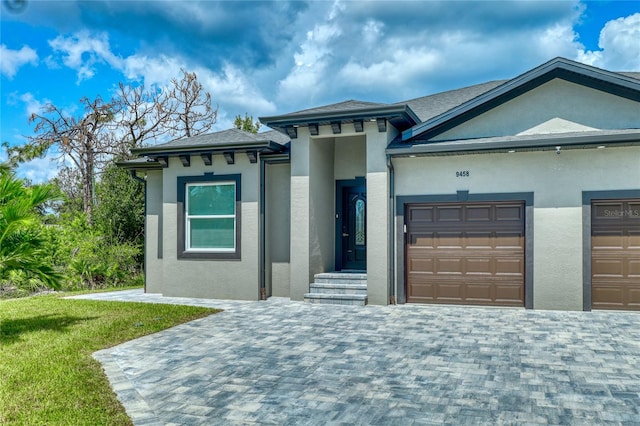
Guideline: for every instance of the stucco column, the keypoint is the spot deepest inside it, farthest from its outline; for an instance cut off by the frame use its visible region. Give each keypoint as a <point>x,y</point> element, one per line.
<point>300,274</point>
<point>377,217</point>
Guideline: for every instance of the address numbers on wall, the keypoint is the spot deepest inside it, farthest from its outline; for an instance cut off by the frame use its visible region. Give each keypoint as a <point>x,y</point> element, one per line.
<point>462,173</point>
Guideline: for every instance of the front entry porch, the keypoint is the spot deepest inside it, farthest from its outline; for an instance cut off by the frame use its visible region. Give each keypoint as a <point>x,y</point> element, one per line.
<point>338,288</point>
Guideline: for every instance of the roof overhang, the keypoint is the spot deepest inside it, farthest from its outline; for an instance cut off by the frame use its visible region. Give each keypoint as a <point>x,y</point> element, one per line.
<point>400,116</point>
<point>510,144</point>
<point>140,164</point>
<point>261,146</point>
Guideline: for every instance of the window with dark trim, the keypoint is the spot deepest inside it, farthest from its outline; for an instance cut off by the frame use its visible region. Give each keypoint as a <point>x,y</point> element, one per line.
<point>209,216</point>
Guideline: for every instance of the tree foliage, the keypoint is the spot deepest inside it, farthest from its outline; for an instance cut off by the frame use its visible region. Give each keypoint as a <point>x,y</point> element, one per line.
<point>247,124</point>
<point>119,212</point>
<point>22,246</point>
<point>96,234</point>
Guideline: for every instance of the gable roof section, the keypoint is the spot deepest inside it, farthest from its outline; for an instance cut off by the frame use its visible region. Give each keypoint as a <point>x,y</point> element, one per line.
<point>620,84</point>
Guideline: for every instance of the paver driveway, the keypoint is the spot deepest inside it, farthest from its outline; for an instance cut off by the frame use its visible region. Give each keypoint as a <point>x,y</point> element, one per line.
<point>282,362</point>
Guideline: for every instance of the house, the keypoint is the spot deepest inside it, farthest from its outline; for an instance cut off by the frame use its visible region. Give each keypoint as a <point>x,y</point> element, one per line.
<point>523,192</point>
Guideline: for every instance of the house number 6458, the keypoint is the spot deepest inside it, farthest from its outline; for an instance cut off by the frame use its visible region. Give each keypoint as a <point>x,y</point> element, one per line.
<point>462,173</point>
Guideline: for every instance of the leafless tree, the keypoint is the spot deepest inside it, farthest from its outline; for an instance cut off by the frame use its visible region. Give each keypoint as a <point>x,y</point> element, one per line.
<point>84,140</point>
<point>143,114</point>
<point>194,113</point>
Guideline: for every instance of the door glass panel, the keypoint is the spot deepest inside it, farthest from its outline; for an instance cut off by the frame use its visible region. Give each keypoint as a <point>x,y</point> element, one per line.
<point>360,221</point>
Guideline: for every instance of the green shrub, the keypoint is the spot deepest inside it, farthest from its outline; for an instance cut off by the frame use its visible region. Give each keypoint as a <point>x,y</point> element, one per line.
<point>90,260</point>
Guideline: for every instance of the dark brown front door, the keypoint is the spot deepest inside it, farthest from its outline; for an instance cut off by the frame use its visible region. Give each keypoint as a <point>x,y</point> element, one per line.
<point>465,253</point>
<point>353,223</point>
<point>615,254</point>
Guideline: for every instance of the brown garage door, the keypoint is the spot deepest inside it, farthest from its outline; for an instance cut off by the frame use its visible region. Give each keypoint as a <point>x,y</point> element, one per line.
<point>465,253</point>
<point>615,254</point>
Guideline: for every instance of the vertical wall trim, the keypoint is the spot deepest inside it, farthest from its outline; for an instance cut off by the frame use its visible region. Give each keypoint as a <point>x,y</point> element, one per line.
<point>261,234</point>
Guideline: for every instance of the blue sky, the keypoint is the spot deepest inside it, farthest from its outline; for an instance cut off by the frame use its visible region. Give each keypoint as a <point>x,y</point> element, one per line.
<point>267,58</point>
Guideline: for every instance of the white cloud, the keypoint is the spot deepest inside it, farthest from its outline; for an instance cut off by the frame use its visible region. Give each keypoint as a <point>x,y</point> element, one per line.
<point>12,60</point>
<point>83,51</point>
<point>158,70</point>
<point>231,87</point>
<point>620,45</point>
<point>33,105</point>
<point>312,60</point>
<point>39,170</point>
<point>394,70</point>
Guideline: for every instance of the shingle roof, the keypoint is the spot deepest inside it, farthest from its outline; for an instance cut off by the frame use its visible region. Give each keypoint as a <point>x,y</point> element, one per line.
<point>427,107</point>
<point>635,75</point>
<point>349,105</point>
<point>226,137</point>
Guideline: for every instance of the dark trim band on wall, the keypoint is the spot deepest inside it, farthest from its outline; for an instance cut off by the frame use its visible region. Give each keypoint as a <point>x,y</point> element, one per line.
<point>587,199</point>
<point>465,197</point>
<point>182,182</point>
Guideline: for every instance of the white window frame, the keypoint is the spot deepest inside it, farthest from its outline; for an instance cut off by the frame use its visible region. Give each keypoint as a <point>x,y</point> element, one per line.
<point>188,217</point>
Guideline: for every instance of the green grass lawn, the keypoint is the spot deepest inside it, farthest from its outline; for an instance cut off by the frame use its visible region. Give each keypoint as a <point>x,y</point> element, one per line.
<point>47,374</point>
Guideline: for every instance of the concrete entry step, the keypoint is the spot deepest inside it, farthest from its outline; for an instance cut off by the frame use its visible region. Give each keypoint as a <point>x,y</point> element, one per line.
<point>340,288</point>
<point>336,299</point>
<point>341,278</point>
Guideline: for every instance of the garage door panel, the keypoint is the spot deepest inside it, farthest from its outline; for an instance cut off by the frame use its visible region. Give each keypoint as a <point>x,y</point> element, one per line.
<point>509,240</point>
<point>449,214</point>
<point>509,293</point>
<point>423,290</point>
<point>449,240</point>
<point>479,266</point>
<point>608,212</point>
<point>479,240</point>
<point>633,240</point>
<point>449,266</point>
<point>633,268</point>
<point>510,213</point>
<point>634,297</point>
<point>608,267</point>
<point>449,290</point>
<point>510,267</point>
<point>615,254</point>
<point>477,256</point>
<point>425,266</point>
<point>608,297</point>
<point>423,239</point>
<point>479,214</point>
<point>422,214</point>
<point>607,240</point>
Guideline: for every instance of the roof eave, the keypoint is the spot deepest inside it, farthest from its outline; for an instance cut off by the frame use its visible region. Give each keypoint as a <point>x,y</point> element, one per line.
<point>268,146</point>
<point>434,148</point>
<point>283,121</point>
<point>139,165</point>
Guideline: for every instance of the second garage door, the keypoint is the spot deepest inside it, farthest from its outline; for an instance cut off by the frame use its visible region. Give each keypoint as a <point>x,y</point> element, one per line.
<point>465,253</point>
<point>615,254</point>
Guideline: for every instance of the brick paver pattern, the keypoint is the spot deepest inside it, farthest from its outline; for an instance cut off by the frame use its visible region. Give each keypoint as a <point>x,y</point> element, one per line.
<point>283,362</point>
